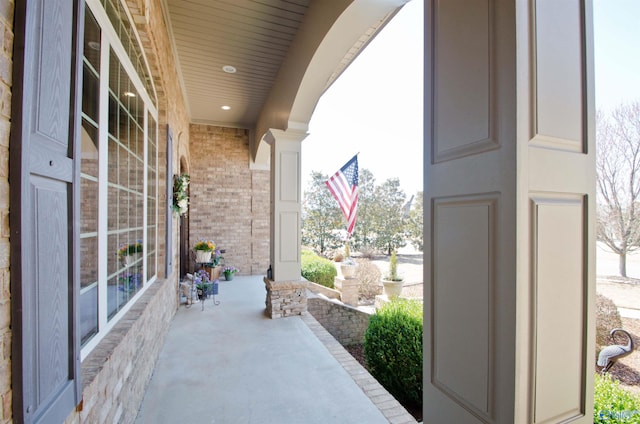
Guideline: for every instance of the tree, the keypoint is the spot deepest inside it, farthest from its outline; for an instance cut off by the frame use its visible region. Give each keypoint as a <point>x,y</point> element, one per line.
<point>618,180</point>
<point>382,219</point>
<point>414,223</point>
<point>364,233</point>
<point>321,216</point>
<point>388,217</point>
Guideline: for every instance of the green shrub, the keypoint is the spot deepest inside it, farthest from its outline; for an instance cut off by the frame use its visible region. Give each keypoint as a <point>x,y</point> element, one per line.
<point>613,404</point>
<point>317,269</point>
<point>393,349</point>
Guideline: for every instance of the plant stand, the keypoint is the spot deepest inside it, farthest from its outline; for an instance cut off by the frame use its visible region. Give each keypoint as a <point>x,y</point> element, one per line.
<point>213,291</point>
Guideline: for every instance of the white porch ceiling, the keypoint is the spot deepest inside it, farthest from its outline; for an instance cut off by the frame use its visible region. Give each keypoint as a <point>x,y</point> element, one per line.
<point>254,36</point>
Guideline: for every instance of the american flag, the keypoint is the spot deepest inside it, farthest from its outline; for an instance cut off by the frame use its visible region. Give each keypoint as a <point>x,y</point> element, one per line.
<point>344,187</point>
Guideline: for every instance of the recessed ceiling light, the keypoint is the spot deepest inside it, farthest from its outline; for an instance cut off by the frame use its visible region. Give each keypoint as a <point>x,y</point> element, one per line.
<point>225,107</point>
<point>129,94</point>
<point>229,69</point>
<point>94,45</point>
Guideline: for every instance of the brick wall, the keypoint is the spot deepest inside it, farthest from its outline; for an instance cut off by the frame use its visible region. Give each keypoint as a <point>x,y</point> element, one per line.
<point>346,324</point>
<point>6,51</point>
<point>229,202</point>
<point>149,19</point>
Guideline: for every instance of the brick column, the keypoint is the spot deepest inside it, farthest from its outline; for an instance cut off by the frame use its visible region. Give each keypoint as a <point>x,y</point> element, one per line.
<point>348,288</point>
<point>285,298</point>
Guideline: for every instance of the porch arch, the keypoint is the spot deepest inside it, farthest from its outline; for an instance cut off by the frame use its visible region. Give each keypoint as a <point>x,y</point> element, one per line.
<point>330,37</point>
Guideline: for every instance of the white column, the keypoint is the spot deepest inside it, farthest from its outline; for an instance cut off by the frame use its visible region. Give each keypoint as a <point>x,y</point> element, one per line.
<point>286,200</point>
<point>509,235</point>
<point>286,289</point>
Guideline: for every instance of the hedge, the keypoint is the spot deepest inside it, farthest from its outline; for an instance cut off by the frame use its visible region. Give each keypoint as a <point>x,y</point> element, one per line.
<point>393,349</point>
<point>318,269</point>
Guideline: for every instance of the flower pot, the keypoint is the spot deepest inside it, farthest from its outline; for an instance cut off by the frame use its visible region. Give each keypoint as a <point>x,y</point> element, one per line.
<point>203,256</point>
<point>129,260</point>
<point>348,271</point>
<point>214,288</point>
<point>200,294</point>
<point>228,276</point>
<point>392,289</point>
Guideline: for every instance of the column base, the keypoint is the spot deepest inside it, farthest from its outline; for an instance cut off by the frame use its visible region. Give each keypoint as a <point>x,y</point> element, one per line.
<point>348,288</point>
<point>285,298</point>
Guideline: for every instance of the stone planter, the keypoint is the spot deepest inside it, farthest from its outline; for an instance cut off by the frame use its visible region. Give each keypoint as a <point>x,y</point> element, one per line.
<point>392,289</point>
<point>348,271</point>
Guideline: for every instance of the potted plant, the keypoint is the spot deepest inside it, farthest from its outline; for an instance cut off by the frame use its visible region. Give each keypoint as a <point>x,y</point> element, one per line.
<point>129,282</point>
<point>348,265</point>
<point>392,282</point>
<point>204,249</point>
<point>130,252</point>
<point>203,284</point>
<point>229,271</point>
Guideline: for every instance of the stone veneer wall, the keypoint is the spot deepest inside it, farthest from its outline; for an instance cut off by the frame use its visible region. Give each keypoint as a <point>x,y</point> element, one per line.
<point>229,201</point>
<point>116,373</point>
<point>346,324</point>
<point>6,55</point>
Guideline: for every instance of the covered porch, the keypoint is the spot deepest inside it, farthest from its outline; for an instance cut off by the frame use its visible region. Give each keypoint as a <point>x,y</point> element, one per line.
<point>230,363</point>
<point>509,180</point>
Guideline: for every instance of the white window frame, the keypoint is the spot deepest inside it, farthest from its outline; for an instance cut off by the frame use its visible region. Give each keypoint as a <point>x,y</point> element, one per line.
<point>110,40</point>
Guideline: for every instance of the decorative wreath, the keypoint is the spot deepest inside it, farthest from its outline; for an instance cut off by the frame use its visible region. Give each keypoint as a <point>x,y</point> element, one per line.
<point>180,193</point>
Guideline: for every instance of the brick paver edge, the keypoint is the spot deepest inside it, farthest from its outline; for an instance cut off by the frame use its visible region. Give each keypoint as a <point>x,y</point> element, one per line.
<point>393,411</point>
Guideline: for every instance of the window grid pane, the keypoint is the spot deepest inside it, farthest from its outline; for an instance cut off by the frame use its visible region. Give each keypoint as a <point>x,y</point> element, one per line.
<point>125,209</point>
<point>123,204</point>
<point>152,200</point>
<point>89,175</point>
<point>121,24</point>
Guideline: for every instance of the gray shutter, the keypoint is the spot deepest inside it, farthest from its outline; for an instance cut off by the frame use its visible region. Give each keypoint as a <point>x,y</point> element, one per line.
<point>45,117</point>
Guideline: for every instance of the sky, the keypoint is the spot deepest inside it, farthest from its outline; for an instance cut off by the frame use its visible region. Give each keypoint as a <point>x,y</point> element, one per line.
<point>617,54</point>
<point>375,107</point>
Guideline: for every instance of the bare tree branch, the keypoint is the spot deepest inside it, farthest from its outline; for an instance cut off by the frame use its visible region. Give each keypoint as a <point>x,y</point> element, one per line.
<point>618,180</point>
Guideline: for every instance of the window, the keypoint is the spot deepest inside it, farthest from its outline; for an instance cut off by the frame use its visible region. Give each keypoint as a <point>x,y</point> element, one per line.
<point>118,172</point>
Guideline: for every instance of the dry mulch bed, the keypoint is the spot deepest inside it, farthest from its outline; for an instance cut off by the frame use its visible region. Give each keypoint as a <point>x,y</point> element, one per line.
<point>627,370</point>
<point>625,292</point>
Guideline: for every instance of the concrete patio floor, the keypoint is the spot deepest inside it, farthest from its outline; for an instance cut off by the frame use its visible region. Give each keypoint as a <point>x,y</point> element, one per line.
<point>230,364</point>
